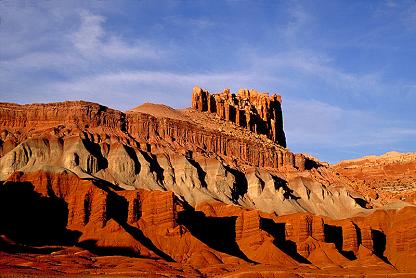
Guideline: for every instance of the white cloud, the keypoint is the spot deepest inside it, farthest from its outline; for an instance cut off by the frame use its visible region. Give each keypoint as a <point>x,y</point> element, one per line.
<point>44,39</point>
<point>90,33</point>
<point>318,123</point>
<point>301,64</point>
<point>70,53</point>
<point>93,41</point>
<point>402,12</point>
<point>390,3</point>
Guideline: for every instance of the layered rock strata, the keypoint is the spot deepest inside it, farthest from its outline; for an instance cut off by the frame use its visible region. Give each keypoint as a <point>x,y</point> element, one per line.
<point>101,124</point>
<point>154,224</point>
<point>149,130</point>
<point>212,192</point>
<point>383,178</point>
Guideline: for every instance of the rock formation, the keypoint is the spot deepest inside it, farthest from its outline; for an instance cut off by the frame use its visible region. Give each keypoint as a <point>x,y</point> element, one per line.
<point>157,225</point>
<point>174,151</point>
<point>205,191</point>
<point>255,111</point>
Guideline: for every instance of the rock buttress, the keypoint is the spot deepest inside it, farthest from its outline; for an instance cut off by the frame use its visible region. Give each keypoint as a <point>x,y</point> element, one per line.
<point>255,111</point>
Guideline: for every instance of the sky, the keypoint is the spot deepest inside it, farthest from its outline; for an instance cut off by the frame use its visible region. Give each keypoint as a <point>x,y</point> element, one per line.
<point>346,70</point>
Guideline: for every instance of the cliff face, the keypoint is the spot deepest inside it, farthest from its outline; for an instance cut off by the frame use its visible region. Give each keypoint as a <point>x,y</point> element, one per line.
<point>179,153</point>
<point>158,225</point>
<point>197,155</point>
<point>102,124</point>
<point>73,113</point>
<point>208,190</point>
<point>255,111</point>
<point>150,131</point>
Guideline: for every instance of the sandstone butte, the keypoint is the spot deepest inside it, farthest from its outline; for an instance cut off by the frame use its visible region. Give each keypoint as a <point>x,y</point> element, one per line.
<point>207,191</point>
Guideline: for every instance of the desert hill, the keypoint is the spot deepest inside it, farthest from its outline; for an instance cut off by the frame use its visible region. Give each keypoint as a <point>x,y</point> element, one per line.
<point>384,178</point>
<point>209,190</point>
<point>160,111</point>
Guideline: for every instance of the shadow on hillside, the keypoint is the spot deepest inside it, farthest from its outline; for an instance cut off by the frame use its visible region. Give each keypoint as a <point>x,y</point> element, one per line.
<point>278,231</point>
<point>117,209</point>
<point>10,246</point>
<point>241,185</point>
<point>216,232</point>
<point>29,218</point>
<point>201,173</point>
<point>379,244</point>
<point>281,183</point>
<point>333,234</point>
<point>361,202</point>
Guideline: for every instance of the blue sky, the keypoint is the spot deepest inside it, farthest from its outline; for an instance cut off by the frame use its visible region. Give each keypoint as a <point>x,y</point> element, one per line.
<point>346,69</point>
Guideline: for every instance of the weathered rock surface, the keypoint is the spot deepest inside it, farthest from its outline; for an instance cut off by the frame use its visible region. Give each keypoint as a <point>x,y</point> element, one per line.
<point>157,225</point>
<point>168,150</point>
<point>188,193</point>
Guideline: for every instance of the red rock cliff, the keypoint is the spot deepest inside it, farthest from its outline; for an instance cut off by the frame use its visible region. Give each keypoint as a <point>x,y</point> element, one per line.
<point>148,129</point>
<point>258,112</point>
<point>101,124</point>
<point>73,113</point>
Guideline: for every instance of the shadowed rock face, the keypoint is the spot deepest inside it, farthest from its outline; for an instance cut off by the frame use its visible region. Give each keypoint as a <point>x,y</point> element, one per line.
<point>181,187</point>
<point>25,215</point>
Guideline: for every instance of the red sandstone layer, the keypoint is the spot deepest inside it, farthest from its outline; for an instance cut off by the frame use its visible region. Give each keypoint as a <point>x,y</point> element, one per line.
<point>215,238</point>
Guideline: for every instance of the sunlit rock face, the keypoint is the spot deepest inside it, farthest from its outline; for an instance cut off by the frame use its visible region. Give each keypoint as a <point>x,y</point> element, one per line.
<point>212,187</point>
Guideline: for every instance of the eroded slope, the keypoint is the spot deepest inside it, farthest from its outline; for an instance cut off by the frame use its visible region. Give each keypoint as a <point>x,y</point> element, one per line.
<point>198,162</point>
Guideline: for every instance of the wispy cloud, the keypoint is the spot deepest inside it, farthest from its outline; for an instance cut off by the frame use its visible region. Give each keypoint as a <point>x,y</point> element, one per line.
<point>318,123</point>
<point>88,37</point>
<point>93,41</point>
<point>317,67</point>
<point>68,55</point>
<point>403,12</point>
<point>299,22</point>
